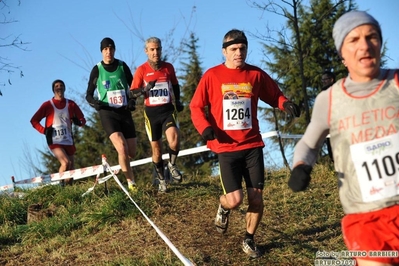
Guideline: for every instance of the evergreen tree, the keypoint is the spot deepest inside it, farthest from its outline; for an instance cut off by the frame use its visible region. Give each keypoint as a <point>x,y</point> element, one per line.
<point>299,60</point>
<point>200,163</point>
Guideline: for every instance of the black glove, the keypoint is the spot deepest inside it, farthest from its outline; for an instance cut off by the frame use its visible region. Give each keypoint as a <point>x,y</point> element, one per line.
<point>131,105</point>
<point>179,106</point>
<point>300,177</point>
<point>149,85</point>
<point>134,93</point>
<point>48,131</point>
<point>97,105</point>
<point>292,109</point>
<point>208,134</point>
<point>76,121</point>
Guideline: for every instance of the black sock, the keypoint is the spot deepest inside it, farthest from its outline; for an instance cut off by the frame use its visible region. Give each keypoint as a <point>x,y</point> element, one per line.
<point>173,156</point>
<point>224,209</point>
<point>159,169</point>
<point>248,235</point>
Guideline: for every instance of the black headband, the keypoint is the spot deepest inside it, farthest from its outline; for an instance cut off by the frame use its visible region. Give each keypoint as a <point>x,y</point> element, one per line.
<point>235,41</point>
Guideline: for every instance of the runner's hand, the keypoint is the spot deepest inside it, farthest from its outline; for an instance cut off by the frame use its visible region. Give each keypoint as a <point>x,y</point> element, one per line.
<point>97,105</point>
<point>179,106</point>
<point>48,131</point>
<point>149,85</point>
<point>292,109</point>
<point>131,105</point>
<point>76,121</point>
<point>300,177</point>
<point>208,134</point>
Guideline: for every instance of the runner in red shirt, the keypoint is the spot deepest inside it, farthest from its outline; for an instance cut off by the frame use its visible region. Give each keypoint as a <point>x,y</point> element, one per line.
<point>60,113</point>
<point>224,111</point>
<point>156,79</point>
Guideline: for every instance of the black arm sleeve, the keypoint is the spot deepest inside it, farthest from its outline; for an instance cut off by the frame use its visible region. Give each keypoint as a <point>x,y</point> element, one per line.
<point>92,85</point>
<point>136,93</point>
<point>176,91</point>
<point>129,80</point>
<point>128,74</point>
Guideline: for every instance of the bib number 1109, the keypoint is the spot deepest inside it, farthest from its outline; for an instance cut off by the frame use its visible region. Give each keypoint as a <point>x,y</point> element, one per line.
<point>377,167</point>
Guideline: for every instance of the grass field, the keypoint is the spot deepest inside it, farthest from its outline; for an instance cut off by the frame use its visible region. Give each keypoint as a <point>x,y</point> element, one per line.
<point>101,229</point>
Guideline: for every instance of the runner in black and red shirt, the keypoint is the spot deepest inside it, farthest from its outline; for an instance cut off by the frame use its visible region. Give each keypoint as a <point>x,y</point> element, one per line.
<point>161,88</point>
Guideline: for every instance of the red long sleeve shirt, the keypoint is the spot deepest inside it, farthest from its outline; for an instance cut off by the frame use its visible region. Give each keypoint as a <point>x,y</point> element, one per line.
<point>46,110</point>
<point>236,128</point>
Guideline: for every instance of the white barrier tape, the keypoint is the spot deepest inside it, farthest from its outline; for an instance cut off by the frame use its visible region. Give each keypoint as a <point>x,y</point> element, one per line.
<point>287,136</point>
<point>98,181</point>
<point>6,187</point>
<point>98,169</point>
<point>183,259</point>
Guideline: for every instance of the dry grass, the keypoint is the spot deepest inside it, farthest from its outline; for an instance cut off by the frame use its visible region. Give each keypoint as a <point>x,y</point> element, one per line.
<point>293,228</point>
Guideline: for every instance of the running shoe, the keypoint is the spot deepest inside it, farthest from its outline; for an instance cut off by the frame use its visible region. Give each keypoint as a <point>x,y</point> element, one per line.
<point>222,219</point>
<point>249,247</point>
<point>176,175</point>
<point>132,186</point>
<point>162,185</point>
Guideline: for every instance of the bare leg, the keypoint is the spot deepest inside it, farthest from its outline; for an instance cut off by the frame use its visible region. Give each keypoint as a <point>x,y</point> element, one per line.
<point>156,147</point>
<point>121,146</point>
<point>66,162</point>
<point>172,136</point>
<point>255,209</point>
<point>232,200</point>
<point>255,206</point>
<point>132,146</point>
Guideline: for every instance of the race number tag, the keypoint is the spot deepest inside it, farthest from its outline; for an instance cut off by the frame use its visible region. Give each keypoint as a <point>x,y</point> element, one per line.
<point>61,134</point>
<point>159,94</point>
<point>377,167</point>
<point>236,113</point>
<point>116,98</point>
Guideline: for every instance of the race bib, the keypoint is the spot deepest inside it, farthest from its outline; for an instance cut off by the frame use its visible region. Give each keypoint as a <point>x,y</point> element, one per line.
<point>377,167</point>
<point>117,98</point>
<point>61,135</point>
<point>159,94</point>
<point>236,113</point>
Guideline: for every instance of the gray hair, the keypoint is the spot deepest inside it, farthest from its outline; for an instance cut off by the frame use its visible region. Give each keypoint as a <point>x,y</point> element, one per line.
<point>153,40</point>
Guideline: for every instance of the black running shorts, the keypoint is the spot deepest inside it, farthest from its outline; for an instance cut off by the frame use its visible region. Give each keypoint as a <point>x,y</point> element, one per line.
<point>247,164</point>
<point>155,126</point>
<point>118,121</point>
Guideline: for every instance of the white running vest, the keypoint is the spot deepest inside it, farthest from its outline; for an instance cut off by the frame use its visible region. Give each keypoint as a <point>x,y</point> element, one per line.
<point>62,133</point>
<point>364,135</point>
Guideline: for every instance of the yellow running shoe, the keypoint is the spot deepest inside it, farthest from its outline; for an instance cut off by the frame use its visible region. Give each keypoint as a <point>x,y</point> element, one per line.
<point>132,187</point>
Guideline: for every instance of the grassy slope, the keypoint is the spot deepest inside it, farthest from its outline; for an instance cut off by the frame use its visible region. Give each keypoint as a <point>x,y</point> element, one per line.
<point>109,230</point>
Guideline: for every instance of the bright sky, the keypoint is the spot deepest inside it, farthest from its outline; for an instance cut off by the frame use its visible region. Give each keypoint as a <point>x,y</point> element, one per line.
<point>65,43</point>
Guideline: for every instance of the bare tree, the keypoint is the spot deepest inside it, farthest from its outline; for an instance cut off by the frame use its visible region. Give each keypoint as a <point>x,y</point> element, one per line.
<point>298,52</point>
<point>10,41</point>
<point>92,137</point>
<point>291,39</point>
<point>171,50</point>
